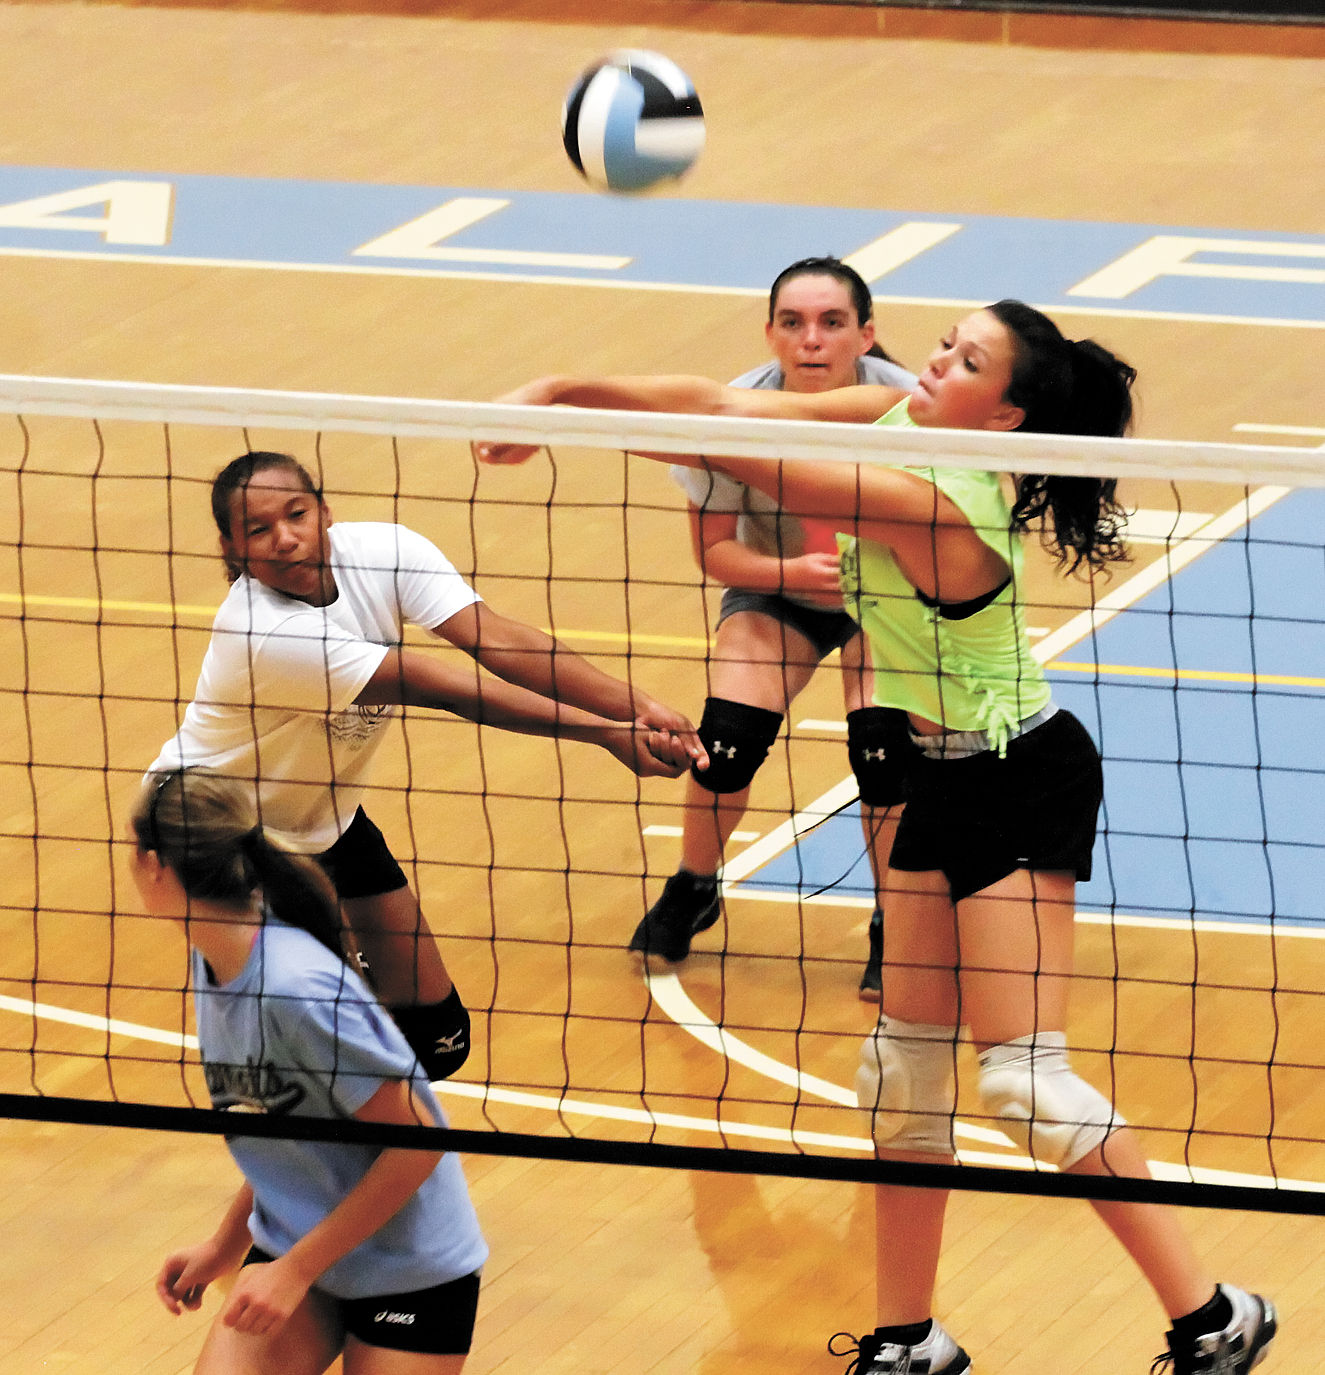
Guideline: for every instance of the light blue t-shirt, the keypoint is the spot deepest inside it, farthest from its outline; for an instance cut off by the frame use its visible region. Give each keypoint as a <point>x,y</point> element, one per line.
<point>298,1033</point>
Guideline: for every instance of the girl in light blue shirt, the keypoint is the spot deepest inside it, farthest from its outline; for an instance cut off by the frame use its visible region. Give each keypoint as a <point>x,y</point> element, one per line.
<point>346,1249</point>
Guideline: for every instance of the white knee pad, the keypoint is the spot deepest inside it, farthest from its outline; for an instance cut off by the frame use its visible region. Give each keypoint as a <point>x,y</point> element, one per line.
<point>1043,1105</point>
<point>905,1083</point>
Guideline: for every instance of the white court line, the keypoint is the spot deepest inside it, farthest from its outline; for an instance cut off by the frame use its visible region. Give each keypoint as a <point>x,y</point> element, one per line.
<point>625,284</point>
<point>1290,431</point>
<point>1197,542</point>
<point>678,1005</point>
<point>608,1111</point>
<point>1277,928</point>
<point>674,832</point>
<point>25,1007</point>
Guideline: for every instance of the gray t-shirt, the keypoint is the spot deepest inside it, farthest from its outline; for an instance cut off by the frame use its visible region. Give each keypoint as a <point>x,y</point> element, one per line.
<point>761,524</point>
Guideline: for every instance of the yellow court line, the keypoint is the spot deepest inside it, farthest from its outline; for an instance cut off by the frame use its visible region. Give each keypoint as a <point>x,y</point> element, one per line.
<point>1197,675</point>
<point>103,604</point>
<point>171,610</point>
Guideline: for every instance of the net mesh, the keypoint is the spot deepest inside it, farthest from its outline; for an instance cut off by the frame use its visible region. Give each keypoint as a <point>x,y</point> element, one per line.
<point>1198,670</point>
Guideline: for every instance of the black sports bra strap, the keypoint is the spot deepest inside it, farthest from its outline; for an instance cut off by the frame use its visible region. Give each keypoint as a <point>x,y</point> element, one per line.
<point>960,611</point>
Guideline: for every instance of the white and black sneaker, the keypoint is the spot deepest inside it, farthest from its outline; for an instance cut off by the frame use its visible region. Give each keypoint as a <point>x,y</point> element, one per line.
<point>1236,1348</point>
<point>936,1354</point>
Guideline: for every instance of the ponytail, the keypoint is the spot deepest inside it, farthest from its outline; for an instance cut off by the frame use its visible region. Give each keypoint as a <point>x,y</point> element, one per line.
<point>204,826</point>
<point>1083,513</point>
<point>296,891</point>
<point>1067,387</point>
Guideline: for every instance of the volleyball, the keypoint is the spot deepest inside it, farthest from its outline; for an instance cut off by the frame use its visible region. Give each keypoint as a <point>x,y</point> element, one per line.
<point>632,120</point>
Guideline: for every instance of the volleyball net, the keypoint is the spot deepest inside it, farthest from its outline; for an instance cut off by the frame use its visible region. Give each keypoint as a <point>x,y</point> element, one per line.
<point>1199,669</point>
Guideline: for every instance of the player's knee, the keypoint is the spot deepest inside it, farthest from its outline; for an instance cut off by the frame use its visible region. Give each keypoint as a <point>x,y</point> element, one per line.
<point>905,1082</point>
<point>881,752</point>
<point>438,1033</point>
<point>1040,1101</point>
<point>737,738</point>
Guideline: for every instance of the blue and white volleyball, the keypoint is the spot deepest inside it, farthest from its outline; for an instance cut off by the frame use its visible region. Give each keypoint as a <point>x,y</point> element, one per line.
<point>631,121</point>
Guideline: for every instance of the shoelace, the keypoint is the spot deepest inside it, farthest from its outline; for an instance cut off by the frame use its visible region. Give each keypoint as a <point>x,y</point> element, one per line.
<point>852,1350</point>
<point>1225,1362</point>
<point>865,1349</point>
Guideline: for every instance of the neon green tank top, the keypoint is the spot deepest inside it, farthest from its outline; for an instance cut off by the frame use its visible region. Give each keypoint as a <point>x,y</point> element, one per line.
<point>977,673</point>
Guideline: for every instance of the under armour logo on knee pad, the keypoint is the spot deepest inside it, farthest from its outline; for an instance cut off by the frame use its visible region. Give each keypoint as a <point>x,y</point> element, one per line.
<point>875,756</point>
<point>719,748</point>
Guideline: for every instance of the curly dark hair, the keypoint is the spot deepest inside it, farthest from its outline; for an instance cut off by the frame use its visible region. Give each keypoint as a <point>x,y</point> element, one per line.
<point>1067,386</point>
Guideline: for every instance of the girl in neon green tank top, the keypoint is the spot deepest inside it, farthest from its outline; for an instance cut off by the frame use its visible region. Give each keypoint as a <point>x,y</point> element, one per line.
<point>979,923</point>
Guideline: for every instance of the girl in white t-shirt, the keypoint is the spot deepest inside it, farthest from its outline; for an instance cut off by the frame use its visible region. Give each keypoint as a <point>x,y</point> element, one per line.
<point>305,670</point>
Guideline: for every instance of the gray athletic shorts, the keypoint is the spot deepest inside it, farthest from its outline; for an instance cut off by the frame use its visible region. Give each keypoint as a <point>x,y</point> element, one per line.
<point>825,630</point>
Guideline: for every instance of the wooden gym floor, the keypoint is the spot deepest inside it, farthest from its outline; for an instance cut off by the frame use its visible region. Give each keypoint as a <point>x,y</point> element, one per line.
<point>1176,123</point>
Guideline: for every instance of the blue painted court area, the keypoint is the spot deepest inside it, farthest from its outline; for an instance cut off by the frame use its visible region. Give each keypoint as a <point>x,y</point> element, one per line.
<point>660,242</point>
<point>1214,786</point>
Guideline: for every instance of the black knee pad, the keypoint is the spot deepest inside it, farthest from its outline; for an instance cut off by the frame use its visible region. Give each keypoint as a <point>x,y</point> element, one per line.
<point>737,739</point>
<point>882,753</point>
<point>438,1033</point>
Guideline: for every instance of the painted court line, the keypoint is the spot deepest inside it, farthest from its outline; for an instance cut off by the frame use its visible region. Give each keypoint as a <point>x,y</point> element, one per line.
<point>608,1111</point>
<point>490,274</point>
<point>1140,584</point>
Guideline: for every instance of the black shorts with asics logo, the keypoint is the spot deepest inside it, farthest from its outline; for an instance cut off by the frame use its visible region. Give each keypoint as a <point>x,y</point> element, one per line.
<point>434,1322</point>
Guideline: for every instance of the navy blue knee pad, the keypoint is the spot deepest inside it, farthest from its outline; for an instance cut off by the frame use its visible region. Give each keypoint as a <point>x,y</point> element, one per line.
<point>438,1033</point>
<point>882,752</point>
<point>737,738</point>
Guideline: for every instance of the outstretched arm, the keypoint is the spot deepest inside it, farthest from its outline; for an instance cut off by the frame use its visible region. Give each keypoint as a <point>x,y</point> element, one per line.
<point>842,491</point>
<point>412,678</point>
<point>896,508</point>
<point>689,396</point>
<point>531,658</point>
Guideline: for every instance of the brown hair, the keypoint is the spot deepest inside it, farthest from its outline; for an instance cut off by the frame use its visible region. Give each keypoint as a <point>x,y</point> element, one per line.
<point>205,827</point>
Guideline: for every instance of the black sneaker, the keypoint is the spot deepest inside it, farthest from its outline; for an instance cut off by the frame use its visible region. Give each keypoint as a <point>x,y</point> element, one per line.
<point>938,1354</point>
<point>871,981</point>
<point>1234,1350</point>
<point>688,905</point>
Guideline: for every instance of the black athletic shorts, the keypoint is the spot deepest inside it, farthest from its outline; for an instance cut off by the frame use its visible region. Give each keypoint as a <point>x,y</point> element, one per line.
<point>359,864</point>
<point>826,630</point>
<point>435,1322</point>
<point>980,818</point>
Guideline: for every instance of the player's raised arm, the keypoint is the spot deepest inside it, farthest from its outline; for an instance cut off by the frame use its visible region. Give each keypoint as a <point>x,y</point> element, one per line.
<point>687,395</point>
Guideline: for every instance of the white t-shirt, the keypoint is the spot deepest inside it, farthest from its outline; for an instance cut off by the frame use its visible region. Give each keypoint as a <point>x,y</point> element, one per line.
<point>760,523</point>
<point>275,698</point>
